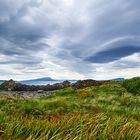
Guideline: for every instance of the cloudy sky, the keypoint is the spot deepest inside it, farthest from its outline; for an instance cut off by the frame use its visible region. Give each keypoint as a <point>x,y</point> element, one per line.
<point>69,39</point>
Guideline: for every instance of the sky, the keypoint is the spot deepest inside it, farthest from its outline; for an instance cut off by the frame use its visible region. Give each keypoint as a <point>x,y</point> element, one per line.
<point>69,39</point>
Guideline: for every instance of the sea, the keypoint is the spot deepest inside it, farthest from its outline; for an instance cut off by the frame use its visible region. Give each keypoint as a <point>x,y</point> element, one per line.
<point>43,82</point>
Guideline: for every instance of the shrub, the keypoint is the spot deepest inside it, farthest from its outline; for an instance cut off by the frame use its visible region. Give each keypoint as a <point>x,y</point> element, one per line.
<point>113,89</point>
<point>132,85</point>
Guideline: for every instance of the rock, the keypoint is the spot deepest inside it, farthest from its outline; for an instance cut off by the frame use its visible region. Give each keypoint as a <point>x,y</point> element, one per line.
<point>66,83</point>
<point>8,85</point>
<point>40,91</point>
<point>85,83</point>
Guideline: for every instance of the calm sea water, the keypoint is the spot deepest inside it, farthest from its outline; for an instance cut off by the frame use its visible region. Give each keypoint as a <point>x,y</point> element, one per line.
<point>43,82</point>
<point>1,83</point>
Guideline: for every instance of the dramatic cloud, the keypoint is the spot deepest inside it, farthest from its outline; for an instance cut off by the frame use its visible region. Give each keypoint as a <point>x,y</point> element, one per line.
<point>71,39</point>
<point>113,54</point>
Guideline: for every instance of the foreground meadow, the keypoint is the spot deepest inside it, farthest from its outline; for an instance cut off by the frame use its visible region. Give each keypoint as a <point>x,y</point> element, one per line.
<point>106,112</point>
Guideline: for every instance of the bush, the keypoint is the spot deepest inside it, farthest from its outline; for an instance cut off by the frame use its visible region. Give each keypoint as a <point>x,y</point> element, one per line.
<point>132,85</point>
<point>114,88</point>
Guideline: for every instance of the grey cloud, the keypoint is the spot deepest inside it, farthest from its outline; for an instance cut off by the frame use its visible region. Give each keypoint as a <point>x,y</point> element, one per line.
<point>124,65</point>
<point>116,20</point>
<point>86,30</point>
<point>113,54</point>
<point>28,61</point>
<point>20,53</point>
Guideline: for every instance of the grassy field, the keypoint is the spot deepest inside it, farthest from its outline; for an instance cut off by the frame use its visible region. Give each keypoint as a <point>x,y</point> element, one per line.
<point>106,112</point>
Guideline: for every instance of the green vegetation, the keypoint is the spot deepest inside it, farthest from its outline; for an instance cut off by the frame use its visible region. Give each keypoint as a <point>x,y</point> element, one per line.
<point>106,112</point>
<point>132,85</point>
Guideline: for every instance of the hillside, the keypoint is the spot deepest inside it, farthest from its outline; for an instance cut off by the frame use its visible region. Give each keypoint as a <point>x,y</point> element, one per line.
<point>102,112</point>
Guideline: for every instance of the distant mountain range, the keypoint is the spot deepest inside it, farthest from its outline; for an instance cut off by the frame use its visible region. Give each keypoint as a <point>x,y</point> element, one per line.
<point>39,79</point>
<point>118,79</point>
<point>34,81</point>
<point>1,81</point>
<point>48,79</point>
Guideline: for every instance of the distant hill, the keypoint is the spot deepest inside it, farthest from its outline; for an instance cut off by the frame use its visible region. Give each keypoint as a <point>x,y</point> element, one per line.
<point>39,79</point>
<point>118,79</point>
<point>1,81</point>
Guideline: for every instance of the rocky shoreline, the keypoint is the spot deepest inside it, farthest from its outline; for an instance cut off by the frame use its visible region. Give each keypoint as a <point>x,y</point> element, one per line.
<point>26,94</point>
<point>13,89</point>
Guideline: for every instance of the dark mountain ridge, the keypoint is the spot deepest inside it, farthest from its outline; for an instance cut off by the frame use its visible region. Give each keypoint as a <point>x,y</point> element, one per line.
<point>39,79</point>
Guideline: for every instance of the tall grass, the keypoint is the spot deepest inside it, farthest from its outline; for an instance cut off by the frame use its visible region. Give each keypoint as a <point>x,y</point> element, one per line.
<point>100,113</point>
<point>69,126</point>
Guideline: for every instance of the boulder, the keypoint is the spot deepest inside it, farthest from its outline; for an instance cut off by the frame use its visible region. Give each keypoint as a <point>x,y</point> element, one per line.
<point>85,83</point>
<point>8,85</point>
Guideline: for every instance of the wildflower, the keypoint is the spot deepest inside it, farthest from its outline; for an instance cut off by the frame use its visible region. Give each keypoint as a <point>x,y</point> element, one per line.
<point>61,125</point>
<point>138,127</point>
<point>14,114</point>
<point>110,133</point>
<point>122,129</point>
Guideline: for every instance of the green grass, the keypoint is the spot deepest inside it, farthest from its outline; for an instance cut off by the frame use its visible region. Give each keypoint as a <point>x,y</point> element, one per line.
<point>100,113</point>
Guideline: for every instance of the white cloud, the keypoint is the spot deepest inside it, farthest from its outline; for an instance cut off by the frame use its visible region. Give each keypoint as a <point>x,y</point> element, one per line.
<point>54,38</point>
